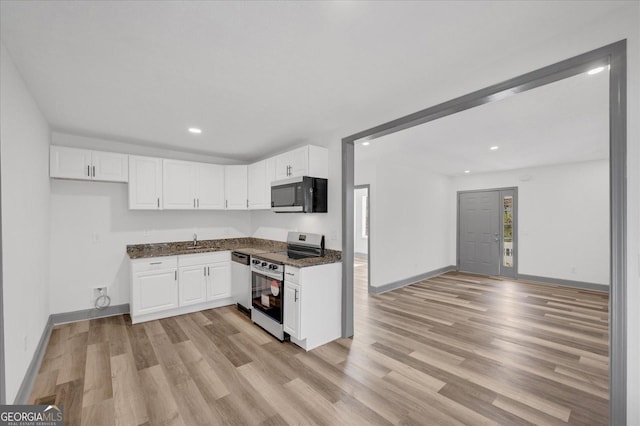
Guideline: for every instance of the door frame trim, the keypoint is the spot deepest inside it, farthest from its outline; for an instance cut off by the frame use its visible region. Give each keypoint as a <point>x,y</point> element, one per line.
<point>615,55</point>
<point>516,240</point>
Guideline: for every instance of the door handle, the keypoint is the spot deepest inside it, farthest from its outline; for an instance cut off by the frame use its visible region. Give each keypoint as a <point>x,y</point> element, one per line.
<point>204,271</point>
<point>94,170</point>
<point>198,202</point>
<point>194,203</point>
<point>226,204</point>
<point>89,171</point>
<point>295,296</point>
<point>158,202</point>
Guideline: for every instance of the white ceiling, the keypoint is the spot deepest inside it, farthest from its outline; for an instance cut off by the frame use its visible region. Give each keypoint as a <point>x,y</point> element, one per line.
<point>563,122</point>
<point>259,77</point>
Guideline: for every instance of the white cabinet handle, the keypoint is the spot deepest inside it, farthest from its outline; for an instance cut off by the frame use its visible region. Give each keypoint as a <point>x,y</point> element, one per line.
<point>155,263</point>
<point>295,297</point>
<point>198,202</point>
<point>89,171</point>
<point>158,202</point>
<point>289,273</point>
<point>175,275</point>
<point>94,170</point>
<point>226,204</point>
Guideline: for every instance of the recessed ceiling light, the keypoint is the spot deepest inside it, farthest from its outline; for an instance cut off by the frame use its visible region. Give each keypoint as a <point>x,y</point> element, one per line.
<point>595,70</point>
<point>467,171</point>
<point>365,143</point>
<point>493,148</point>
<point>195,130</point>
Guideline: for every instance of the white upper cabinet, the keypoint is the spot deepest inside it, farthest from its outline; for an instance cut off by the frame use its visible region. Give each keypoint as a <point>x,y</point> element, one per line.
<point>210,186</point>
<point>235,187</point>
<point>83,164</point>
<point>188,185</point>
<point>309,160</point>
<point>109,166</point>
<point>145,183</point>
<point>259,178</point>
<point>178,184</point>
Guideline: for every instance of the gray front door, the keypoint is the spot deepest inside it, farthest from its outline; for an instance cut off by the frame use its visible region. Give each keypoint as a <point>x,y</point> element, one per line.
<point>479,237</point>
<point>487,232</point>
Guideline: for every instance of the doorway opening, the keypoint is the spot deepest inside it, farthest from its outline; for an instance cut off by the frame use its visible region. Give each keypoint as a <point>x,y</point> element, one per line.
<point>361,238</point>
<point>487,240</point>
<point>612,56</point>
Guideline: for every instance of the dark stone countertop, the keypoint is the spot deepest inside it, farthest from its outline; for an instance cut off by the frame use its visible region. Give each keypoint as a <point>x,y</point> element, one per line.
<point>330,256</point>
<point>257,247</point>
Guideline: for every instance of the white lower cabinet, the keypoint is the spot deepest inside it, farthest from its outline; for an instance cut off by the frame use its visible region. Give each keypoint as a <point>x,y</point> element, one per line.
<point>154,285</point>
<point>193,284</point>
<point>292,309</point>
<point>313,304</point>
<point>173,285</point>
<point>218,280</point>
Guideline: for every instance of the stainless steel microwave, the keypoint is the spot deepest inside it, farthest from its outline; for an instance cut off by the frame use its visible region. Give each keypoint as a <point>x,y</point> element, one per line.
<point>303,194</point>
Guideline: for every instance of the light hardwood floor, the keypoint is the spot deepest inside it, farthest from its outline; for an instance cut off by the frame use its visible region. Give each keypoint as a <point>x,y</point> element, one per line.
<point>455,349</point>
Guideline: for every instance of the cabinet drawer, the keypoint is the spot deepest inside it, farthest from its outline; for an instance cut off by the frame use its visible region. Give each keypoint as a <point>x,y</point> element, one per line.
<point>292,274</point>
<point>204,258</point>
<point>154,263</point>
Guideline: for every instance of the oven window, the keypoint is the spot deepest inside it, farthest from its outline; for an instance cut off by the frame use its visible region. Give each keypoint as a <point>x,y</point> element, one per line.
<point>284,196</point>
<point>266,294</point>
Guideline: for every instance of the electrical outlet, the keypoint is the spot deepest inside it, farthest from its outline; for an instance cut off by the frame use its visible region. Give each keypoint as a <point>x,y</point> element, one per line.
<point>96,292</point>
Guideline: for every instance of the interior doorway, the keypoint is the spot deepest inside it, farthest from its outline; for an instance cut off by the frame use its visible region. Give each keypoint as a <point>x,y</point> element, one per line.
<point>487,234</point>
<point>361,238</point>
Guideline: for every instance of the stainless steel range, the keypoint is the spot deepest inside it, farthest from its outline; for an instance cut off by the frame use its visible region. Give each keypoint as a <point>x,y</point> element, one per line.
<point>267,280</point>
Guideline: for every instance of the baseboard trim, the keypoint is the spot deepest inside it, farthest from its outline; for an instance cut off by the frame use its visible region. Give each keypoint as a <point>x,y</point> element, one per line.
<point>89,314</point>
<point>22,397</point>
<point>411,280</point>
<point>564,283</point>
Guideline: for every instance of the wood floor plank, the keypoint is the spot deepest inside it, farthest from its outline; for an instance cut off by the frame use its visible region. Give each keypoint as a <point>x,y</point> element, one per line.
<point>453,349</point>
<point>161,406</point>
<point>128,402</point>
<point>97,375</point>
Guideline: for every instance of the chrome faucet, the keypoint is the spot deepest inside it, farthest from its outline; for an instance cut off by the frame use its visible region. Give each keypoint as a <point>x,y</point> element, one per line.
<point>195,239</point>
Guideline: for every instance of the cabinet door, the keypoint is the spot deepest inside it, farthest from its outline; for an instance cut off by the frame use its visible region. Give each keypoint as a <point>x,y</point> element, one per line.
<point>193,284</point>
<point>69,163</point>
<point>257,186</point>
<point>178,183</point>
<point>145,183</point>
<point>218,280</point>
<point>291,308</point>
<point>210,187</point>
<point>110,166</point>
<point>155,291</point>
<point>299,163</point>
<point>282,164</point>
<point>235,184</point>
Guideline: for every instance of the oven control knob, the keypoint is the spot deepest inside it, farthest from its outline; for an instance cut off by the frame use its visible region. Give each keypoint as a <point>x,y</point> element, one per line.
<point>264,264</point>
<point>273,266</point>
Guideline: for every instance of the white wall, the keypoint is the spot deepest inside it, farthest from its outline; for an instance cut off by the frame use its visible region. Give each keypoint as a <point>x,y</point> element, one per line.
<point>91,226</point>
<point>563,218</point>
<point>410,218</point>
<point>360,243</point>
<point>24,137</point>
